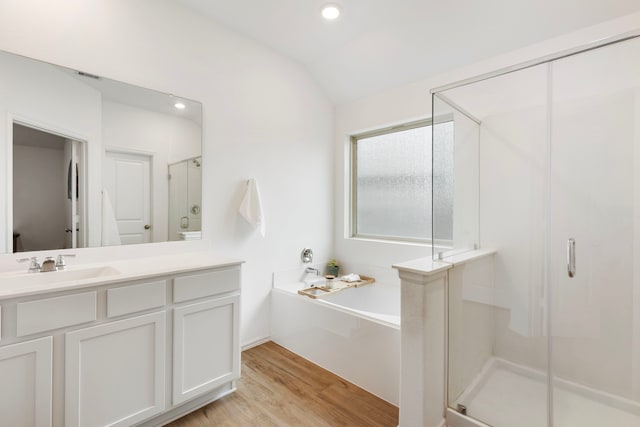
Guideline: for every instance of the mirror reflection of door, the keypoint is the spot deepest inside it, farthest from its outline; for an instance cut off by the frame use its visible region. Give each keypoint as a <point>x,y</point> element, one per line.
<point>48,208</point>
<point>128,185</point>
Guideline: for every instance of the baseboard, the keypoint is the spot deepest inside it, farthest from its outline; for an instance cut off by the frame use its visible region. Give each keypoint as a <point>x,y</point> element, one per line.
<point>255,343</point>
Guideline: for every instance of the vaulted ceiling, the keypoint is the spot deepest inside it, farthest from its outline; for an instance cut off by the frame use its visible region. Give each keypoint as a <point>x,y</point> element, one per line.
<point>379,44</point>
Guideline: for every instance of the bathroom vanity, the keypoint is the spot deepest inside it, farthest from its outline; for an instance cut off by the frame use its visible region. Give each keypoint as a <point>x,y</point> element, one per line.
<point>136,342</point>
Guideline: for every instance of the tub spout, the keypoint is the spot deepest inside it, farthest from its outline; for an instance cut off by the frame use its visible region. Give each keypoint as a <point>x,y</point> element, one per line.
<point>312,270</point>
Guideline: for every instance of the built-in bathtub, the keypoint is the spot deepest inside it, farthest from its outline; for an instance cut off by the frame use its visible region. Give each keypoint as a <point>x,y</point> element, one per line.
<point>354,333</point>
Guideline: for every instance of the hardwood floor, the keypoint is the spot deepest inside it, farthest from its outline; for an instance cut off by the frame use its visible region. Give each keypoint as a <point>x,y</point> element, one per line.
<point>279,388</point>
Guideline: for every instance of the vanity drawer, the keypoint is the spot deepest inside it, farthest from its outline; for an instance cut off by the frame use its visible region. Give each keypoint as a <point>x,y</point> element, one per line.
<point>205,284</point>
<point>53,313</point>
<point>134,298</point>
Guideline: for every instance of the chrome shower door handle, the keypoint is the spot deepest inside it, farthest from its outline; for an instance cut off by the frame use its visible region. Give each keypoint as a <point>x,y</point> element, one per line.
<point>571,257</point>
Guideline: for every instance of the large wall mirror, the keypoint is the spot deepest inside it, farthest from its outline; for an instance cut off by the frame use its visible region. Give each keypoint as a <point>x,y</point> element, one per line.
<point>94,162</point>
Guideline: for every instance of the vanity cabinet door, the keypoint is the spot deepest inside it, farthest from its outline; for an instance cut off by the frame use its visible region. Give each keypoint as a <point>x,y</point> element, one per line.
<point>206,350</point>
<point>25,386</point>
<point>115,372</point>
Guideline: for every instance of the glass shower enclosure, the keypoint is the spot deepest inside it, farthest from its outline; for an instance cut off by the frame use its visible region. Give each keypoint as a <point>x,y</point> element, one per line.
<point>544,174</point>
<point>185,199</point>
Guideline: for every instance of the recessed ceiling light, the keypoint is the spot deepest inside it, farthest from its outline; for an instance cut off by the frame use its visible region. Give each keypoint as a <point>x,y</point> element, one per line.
<point>179,105</point>
<point>330,11</point>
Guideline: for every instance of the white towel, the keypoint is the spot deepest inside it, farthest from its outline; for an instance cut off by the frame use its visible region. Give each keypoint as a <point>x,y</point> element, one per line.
<point>350,278</point>
<point>251,207</point>
<point>110,232</point>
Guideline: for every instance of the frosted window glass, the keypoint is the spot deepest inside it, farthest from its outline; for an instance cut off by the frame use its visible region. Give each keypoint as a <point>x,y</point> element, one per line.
<point>393,184</point>
<point>443,181</point>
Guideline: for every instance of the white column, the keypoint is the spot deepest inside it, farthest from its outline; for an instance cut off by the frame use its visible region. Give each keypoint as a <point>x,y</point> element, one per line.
<point>423,331</point>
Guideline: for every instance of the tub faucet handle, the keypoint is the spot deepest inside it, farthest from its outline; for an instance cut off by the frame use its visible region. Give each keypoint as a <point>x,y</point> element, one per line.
<point>60,262</point>
<point>34,265</point>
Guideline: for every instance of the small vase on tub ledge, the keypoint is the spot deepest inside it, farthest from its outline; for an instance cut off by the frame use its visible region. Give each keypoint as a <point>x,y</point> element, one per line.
<point>333,268</point>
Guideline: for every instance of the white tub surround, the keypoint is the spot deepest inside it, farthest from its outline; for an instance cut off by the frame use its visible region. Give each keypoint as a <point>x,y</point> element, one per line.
<point>139,342</point>
<point>353,333</point>
<point>424,285</point>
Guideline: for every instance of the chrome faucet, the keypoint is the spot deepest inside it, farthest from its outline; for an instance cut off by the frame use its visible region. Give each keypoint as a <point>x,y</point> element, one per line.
<point>48,264</point>
<point>312,270</point>
<point>60,263</point>
<point>34,265</point>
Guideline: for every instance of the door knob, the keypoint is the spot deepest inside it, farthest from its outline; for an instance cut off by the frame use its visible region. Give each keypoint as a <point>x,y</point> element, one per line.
<point>147,227</point>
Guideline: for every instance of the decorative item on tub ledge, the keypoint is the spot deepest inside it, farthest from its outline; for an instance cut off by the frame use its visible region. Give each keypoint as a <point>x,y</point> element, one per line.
<point>333,267</point>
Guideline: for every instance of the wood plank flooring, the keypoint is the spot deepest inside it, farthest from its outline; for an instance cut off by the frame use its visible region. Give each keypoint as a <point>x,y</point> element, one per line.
<point>279,388</point>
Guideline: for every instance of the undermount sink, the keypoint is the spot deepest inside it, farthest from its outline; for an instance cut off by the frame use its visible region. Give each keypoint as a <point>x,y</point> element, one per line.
<point>26,279</point>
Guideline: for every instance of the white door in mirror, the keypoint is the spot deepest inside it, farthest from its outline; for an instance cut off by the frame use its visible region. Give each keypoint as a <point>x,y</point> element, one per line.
<point>127,179</point>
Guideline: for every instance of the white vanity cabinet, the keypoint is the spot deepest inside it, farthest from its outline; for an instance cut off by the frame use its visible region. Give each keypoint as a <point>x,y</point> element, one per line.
<point>205,346</point>
<point>138,351</point>
<point>25,383</point>
<point>115,372</point>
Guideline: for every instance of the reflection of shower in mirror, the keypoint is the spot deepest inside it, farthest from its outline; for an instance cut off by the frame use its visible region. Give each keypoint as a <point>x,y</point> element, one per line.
<point>185,199</point>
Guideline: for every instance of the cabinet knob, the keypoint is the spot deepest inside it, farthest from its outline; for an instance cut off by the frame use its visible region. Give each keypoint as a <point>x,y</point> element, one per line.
<point>147,227</point>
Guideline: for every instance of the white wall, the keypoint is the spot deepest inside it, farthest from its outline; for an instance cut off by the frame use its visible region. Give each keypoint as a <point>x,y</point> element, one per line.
<point>39,212</point>
<point>263,117</point>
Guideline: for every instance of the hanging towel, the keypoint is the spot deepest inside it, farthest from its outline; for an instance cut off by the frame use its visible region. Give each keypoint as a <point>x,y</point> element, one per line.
<point>251,206</point>
<point>110,232</point>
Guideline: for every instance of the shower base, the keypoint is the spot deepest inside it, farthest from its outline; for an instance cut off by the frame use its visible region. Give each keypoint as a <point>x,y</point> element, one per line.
<point>505,395</point>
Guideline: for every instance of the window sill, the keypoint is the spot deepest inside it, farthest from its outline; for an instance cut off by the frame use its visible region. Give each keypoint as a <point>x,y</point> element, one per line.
<point>427,244</point>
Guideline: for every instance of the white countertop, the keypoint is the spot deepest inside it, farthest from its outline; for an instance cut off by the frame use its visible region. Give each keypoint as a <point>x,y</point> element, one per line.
<point>428,266</point>
<point>20,283</point>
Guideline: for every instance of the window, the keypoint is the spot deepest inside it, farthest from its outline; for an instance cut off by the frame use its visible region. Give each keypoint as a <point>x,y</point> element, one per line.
<point>392,182</point>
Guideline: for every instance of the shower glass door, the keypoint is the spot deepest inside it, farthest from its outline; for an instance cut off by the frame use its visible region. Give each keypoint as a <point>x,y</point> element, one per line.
<point>594,239</point>
<point>498,348</point>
